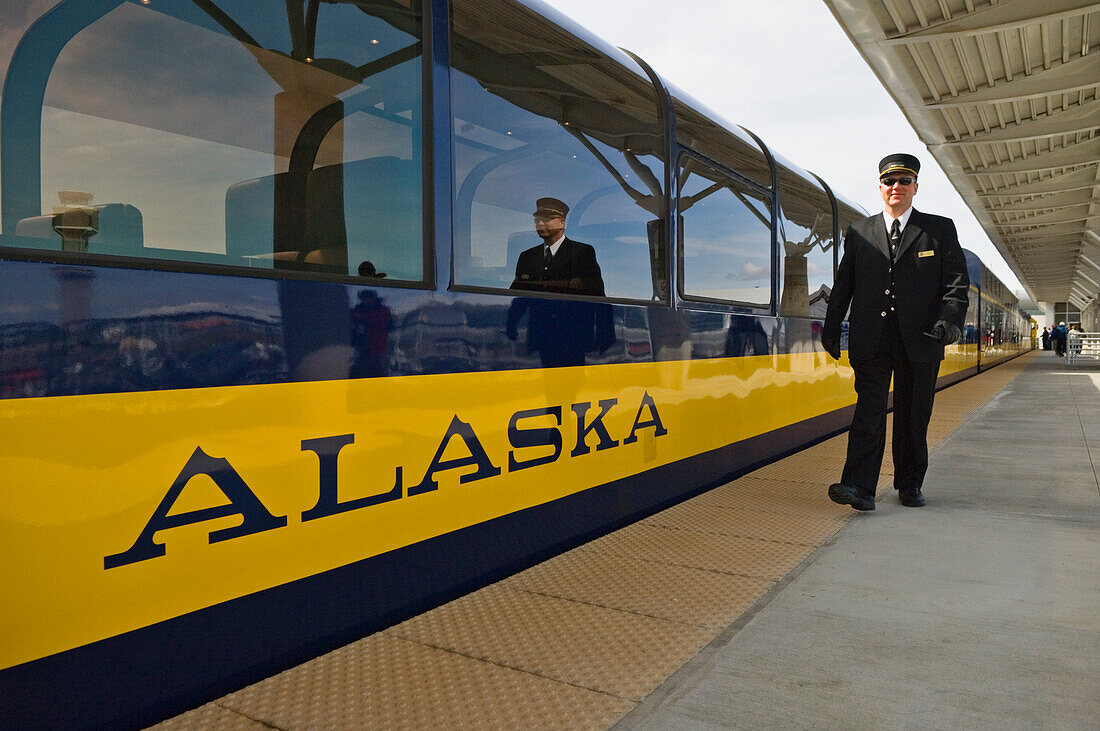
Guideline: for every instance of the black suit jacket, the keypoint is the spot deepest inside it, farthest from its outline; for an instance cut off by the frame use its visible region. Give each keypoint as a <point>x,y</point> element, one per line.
<point>562,325</point>
<point>574,270</point>
<point>930,283</point>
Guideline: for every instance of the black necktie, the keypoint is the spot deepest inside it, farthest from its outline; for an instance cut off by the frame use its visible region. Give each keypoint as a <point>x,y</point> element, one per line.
<point>895,236</point>
<point>548,259</point>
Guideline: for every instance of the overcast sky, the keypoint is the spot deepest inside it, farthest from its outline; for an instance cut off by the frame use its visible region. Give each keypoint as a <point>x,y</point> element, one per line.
<point>785,70</point>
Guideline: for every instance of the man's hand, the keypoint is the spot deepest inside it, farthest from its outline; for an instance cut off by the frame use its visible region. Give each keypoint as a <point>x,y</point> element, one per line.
<point>831,346</point>
<point>945,332</point>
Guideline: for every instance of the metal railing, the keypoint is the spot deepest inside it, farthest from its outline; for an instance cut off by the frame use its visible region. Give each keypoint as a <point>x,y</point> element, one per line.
<point>1082,345</point>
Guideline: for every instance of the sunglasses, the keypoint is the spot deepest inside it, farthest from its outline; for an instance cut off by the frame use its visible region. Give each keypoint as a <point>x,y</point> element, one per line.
<point>904,181</point>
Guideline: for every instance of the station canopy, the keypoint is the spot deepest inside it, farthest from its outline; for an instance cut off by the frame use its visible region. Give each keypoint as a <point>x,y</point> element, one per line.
<point>1004,94</point>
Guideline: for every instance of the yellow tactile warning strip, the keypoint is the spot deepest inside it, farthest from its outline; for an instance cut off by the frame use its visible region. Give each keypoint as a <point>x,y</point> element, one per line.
<point>385,682</point>
<point>579,640</point>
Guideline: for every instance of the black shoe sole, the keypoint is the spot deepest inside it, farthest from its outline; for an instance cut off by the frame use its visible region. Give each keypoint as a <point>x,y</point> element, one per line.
<point>845,498</point>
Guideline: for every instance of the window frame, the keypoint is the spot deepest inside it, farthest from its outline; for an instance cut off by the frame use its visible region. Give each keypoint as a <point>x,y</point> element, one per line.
<point>812,179</point>
<point>716,303</point>
<point>51,24</point>
<point>617,56</point>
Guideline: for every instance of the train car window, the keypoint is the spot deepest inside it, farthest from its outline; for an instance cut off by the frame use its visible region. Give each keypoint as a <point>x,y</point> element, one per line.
<point>847,214</point>
<point>727,237</point>
<point>728,145</point>
<point>806,244</point>
<point>223,132</point>
<point>970,334</point>
<point>540,114</point>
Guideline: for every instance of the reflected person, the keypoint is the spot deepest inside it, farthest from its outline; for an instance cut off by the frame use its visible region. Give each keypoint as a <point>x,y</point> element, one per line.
<point>560,330</point>
<point>371,322</point>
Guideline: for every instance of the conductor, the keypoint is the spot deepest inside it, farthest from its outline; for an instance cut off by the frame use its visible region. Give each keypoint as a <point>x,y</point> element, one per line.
<point>561,331</point>
<point>904,275</point>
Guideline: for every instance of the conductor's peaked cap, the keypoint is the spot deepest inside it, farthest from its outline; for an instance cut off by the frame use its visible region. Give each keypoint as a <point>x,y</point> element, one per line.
<point>550,207</point>
<point>899,163</point>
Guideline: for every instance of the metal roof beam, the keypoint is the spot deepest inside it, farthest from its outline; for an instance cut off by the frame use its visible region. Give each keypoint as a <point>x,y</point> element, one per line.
<point>1034,207</point>
<point>1014,242</point>
<point>1079,74</point>
<point>1081,291</point>
<point>1083,178</point>
<point>1035,190</point>
<point>1003,17</point>
<point>1076,120</point>
<point>1081,154</point>
<point>1050,218</point>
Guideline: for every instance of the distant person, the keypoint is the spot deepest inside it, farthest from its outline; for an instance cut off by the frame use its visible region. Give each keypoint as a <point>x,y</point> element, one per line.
<point>904,275</point>
<point>1046,339</point>
<point>1058,336</point>
<point>1073,340</point>
<point>561,331</point>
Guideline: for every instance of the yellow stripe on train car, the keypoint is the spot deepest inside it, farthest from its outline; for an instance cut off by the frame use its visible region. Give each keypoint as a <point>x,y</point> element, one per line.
<point>122,510</point>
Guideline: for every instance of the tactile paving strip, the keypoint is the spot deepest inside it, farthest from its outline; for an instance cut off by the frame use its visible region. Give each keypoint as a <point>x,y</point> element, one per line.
<point>667,591</point>
<point>386,682</point>
<point>727,553</point>
<point>213,717</point>
<point>747,523</point>
<point>576,641</point>
<point>615,652</point>
<point>785,498</point>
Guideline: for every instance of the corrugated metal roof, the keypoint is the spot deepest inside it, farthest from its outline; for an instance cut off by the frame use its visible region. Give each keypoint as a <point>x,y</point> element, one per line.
<point>1005,95</point>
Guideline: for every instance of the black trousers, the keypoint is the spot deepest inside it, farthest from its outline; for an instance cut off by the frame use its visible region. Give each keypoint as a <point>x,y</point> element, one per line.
<point>914,391</point>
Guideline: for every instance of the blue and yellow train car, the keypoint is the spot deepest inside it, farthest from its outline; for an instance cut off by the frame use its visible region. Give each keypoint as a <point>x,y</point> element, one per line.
<point>996,329</point>
<point>1003,331</point>
<point>269,379</point>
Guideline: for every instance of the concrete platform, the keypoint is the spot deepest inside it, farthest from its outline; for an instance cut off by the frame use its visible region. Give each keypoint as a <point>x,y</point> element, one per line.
<point>979,611</point>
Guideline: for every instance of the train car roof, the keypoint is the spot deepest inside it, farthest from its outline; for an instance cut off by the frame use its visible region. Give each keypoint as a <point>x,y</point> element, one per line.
<point>974,266</point>
<point>582,34</point>
<point>680,97</point>
<point>685,99</point>
<point>988,282</point>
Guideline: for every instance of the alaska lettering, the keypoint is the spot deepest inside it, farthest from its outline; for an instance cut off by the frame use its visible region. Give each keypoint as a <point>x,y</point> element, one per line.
<point>534,433</point>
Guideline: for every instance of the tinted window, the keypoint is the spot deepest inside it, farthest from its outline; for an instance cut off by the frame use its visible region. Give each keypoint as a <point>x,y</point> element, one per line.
<point>542,114</point>
<point>727,248</point>
<point>806,242</point>
<point>847,214</point>
<point>231,135</point>
<point>730,146</point>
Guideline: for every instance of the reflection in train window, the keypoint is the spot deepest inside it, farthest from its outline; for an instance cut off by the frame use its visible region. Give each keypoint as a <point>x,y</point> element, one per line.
<point>224,132</point>
<point>727,239</point>
<point>735,147</point>
<point>807,243</point>
<point>544,115</point>
<point>847,214</point>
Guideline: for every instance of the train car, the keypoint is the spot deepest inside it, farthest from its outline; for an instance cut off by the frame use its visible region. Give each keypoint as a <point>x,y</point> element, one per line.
<point>1003,330</point>
<point>995,330</point>
<point>272,377</point>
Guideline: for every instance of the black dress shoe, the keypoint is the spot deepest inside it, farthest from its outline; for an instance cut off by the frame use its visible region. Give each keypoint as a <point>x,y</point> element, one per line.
<point>911,497</point>
<point>848,495</point>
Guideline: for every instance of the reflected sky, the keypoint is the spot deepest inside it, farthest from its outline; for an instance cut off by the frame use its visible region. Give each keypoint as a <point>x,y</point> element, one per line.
<point>176,181</point>
<point>159,108</point>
